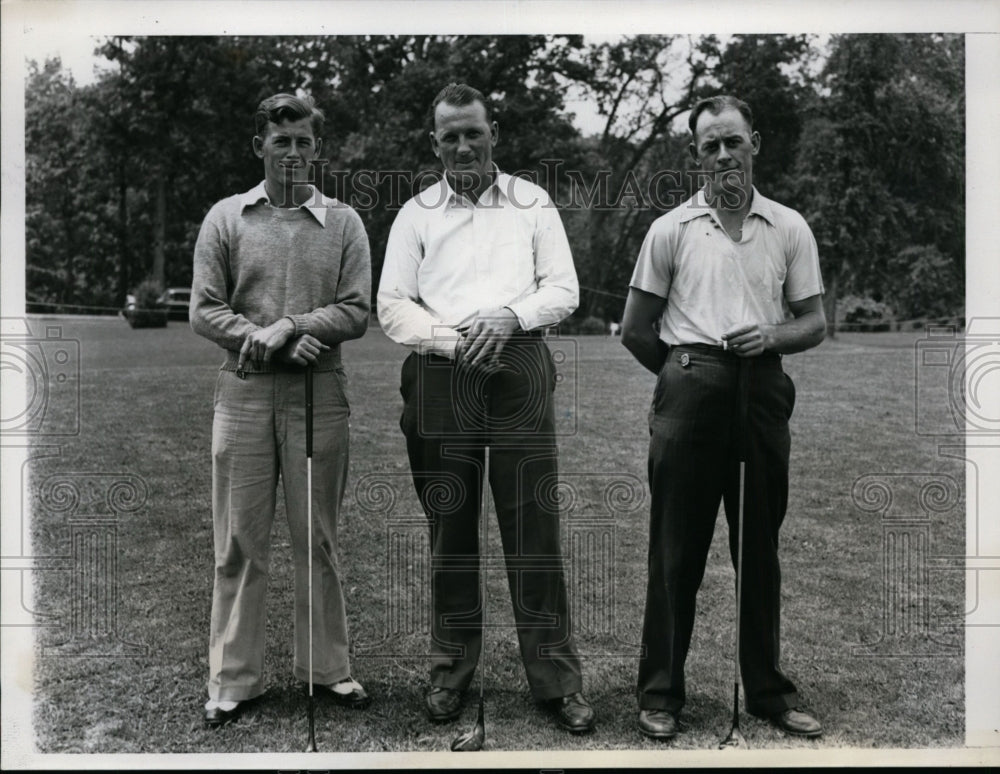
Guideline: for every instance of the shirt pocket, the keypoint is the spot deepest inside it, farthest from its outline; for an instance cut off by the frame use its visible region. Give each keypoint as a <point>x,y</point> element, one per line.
<point>772,275</point>
<point>513,256</point>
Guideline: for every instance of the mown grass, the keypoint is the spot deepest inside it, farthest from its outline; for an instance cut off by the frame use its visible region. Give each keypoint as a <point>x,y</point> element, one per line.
<point>146,411</point>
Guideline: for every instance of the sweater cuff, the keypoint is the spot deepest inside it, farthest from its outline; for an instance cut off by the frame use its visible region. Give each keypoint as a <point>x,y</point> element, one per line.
<point>301,323</point>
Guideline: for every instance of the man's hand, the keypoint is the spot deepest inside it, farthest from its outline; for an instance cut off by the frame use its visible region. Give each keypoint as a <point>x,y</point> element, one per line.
<point>302,350</point>
<point>264,342</point>
<point>804,331</point>
<point>749,340</point>
<point>486,338</point>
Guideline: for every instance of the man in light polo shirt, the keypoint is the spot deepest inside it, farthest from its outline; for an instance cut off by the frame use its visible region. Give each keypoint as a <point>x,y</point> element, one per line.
<point>476,266</point>
<point>716,272</point>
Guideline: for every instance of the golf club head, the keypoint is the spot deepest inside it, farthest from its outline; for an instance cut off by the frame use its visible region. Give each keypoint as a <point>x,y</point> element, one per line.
<point>472,741</point>
<point>734,741</point>
<point>311,745</point>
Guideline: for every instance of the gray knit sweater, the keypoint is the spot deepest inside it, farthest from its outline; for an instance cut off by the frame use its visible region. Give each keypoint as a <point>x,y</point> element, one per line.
<point>254,264</point>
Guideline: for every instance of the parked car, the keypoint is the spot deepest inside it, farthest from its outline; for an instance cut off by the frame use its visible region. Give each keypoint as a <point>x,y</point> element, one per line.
<point>177,301</point>
<point>143,308</point>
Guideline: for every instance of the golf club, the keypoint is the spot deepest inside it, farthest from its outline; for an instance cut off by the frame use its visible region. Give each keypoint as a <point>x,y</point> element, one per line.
<point>311,747</point>
<point>472,741</point>
<point>736,738</point>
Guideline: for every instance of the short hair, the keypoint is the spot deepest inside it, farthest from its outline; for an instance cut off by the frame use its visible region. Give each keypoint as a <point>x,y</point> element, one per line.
<point>716,105</point>
<point>459,95</point>
<point>287,107</point>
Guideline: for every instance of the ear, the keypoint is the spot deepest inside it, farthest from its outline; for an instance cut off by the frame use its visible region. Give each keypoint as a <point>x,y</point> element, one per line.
<point>693,150</point>
<point>319,146</point>
<point>494,134</point>
<point>755,142</point>
<point>258,146</point>
<point>434,145</point>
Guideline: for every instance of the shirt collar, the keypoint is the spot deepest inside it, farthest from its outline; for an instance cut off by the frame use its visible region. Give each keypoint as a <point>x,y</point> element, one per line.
<point>501,183</point>
<point>697,206</point>
<point>258,194</point>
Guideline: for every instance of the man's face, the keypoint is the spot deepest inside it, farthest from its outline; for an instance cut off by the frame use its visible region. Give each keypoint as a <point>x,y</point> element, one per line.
<point>463,139</point>
<point>724,147</point>
<point>287,149</point>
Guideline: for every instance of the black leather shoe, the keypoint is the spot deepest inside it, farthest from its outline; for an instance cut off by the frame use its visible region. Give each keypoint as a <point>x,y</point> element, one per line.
<point>443,704</point>
<point>573,713</point>
<point>357,698</point>
<point>217,716</point>
<point>797,722</point>
<point>658,723</point>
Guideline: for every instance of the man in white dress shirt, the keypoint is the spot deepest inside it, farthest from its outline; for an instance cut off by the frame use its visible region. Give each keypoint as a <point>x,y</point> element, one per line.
<point>476,266</point>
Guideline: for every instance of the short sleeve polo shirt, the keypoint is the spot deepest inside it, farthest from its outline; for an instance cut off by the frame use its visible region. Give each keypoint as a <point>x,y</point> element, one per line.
<point>713,283</point>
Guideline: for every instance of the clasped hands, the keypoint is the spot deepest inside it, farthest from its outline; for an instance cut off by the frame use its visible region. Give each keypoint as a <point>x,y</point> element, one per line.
<point>485,339</point>
<point>278,341</point>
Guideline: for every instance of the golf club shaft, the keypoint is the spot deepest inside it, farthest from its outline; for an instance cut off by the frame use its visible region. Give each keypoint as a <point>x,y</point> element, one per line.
<point>483,548</point>
<point>309,510</point>
<point>476,738</point>
<point>739,566</point>
<point>743,396</point>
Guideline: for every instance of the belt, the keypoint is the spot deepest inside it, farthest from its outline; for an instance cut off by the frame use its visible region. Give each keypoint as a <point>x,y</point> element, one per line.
<point>720,353</point>
<point>535,333</point>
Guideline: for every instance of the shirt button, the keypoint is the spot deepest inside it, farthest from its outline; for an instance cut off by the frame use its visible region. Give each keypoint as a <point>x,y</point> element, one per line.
<point>685,360</point>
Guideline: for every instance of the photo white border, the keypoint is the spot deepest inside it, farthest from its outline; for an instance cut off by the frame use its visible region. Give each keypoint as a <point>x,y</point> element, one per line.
<point>22,19</point>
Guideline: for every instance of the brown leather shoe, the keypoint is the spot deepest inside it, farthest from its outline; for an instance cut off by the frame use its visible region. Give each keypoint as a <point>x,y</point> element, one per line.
<point>573,713</point>
<point>658,723</point>
<point>797,722</point>
<point>443,704</point>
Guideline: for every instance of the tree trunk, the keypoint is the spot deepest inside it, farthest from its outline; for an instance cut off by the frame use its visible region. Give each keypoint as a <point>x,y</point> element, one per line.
<point>830,305</point>
<point>159,230</point>
<point>124,277</point>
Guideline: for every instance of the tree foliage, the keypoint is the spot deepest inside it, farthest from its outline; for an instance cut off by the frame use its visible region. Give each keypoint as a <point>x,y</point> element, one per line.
<point>879,168</point>
<point>869,146</point>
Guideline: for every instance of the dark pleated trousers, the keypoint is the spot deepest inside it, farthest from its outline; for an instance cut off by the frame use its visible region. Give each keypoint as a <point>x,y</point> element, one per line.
<point>450,415</point>
<point>693,466</point>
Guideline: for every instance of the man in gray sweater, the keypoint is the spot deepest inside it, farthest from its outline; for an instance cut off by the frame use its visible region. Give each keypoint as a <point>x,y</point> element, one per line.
<point>282,275</point>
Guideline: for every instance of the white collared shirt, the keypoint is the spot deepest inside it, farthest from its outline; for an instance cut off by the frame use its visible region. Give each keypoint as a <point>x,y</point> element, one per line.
<point>446,259</point>
<point>713,283</point>
<point>316,204</point>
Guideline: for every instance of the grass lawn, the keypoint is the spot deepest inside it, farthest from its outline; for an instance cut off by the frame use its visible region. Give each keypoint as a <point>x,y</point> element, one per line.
<point>146,412</point>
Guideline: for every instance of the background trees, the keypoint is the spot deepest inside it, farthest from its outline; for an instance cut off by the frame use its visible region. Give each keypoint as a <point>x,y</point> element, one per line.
<point>862,133</point>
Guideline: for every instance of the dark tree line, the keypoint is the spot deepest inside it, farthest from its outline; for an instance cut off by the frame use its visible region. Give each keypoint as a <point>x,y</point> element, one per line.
<point>865,137</point>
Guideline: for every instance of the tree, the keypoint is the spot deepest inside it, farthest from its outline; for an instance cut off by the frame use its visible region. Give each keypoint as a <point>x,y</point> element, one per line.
<point>69,247</point>
<point>881,161</point>
<point>381,109</point>
<point>640,85</point>
<point>771,74</point>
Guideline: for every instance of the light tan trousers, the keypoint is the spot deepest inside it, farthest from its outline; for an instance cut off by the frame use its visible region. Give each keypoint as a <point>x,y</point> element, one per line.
<point>258,434</point>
